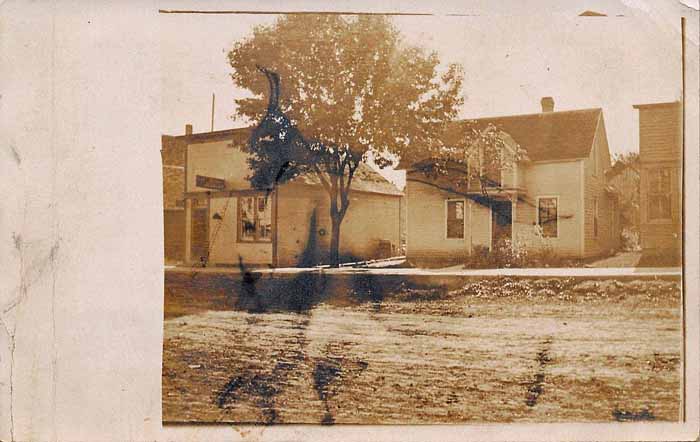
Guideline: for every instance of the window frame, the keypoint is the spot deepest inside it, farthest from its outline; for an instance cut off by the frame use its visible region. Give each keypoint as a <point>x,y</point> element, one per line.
<point>667,195</point>
<point>464,218</point>
<point>239,226</point>
<point>537,211</point>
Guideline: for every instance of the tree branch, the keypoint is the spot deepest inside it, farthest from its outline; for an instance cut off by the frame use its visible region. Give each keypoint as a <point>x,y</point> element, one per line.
<point>322,178</point>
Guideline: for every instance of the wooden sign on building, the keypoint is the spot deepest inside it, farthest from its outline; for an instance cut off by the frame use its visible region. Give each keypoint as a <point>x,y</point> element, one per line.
<point>210,182</point>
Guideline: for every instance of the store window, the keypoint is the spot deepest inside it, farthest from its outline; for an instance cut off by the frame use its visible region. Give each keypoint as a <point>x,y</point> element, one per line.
<point>254,219</point>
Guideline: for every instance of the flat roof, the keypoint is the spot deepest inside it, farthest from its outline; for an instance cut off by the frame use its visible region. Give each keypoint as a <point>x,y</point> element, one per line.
<point>202,137</point>
<point>655,105</point>
<point>366,179</point>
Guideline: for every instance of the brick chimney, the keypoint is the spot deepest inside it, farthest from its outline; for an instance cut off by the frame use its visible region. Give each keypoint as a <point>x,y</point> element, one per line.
<point>547,104</point>
<point>188,129</point>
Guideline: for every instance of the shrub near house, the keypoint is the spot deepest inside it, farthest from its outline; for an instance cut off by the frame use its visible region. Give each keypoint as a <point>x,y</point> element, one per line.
<point>553,202</point>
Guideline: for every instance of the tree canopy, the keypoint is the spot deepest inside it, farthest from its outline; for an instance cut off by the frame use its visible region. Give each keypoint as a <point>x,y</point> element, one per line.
<point>341,90</point>
<point>349,83</point>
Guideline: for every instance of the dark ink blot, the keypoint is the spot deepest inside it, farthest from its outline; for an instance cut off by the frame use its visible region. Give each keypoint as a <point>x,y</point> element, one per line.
<point>629,416</point>
<point>249,298</point>
<point>536,387</point>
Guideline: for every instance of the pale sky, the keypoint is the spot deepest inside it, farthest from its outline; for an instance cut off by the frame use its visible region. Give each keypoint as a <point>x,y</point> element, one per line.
<point>511,59</point>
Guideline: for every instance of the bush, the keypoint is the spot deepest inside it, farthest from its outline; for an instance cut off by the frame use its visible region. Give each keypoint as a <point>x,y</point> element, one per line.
<point>480,258</point>
<point>529,249</point>
<point>630,240</point>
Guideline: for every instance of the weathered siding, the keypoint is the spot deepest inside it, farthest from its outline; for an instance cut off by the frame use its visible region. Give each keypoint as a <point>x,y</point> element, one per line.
<point>660,147</point>
<point>371,218</point>
<point>661,234</point>
<point>294,211</point>
<point>561,179</point>
<point>660,133</point>
<point>596,165</point>
<point>426,235</point>
<point>173,186</point>
<point>173,213</point>
<point>217,159</point>
<point>200,240</point>
<point>478,226</point>
<point>658,237</point>
<point>173,151</point>
<point>524,220</point>
<point>174,228</point>
<point>426,214</point>
<point>173,157</point>
<point>224,247</point>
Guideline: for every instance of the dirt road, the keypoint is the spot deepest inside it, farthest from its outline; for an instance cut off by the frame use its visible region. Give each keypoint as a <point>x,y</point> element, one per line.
<point>493,352</point>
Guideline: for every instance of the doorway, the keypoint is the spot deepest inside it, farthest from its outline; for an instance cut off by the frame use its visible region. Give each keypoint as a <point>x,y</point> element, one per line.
<point>501,222</point>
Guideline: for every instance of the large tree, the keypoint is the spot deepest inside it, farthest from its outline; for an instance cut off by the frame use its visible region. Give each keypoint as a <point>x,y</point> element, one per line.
<point>624,178</point>
<point>351,89</point>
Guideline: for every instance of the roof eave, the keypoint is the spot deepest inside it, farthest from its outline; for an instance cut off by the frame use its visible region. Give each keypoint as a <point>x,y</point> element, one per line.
<point>656,105</point>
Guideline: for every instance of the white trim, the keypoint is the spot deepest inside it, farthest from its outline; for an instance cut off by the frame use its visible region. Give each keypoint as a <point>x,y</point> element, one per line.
<point>471,230</point>
<point>537,211</point>
<point>464,218</point>
<point>594,152</point>
<point>490,228</point>
<point>168,166</point>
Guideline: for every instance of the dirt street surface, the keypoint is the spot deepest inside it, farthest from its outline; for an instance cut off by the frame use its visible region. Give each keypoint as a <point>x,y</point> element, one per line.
<point>498,350</point>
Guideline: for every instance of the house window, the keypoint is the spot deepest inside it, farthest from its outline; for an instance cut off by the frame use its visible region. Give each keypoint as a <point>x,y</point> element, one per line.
<point>659,194</point>
<point>548,216</point>
<point>455,219</point>
<point>595,217</point>
<point>254,219</point>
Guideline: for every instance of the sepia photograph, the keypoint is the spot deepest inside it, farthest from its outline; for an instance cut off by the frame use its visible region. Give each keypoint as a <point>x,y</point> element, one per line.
<point>244,220</point>
<point>422,219</point>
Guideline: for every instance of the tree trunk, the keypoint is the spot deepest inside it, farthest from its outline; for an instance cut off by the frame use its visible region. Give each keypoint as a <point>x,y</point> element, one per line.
<point>335,240</point>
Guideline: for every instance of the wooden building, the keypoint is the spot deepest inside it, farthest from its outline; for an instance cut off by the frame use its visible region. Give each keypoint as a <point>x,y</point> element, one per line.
<point>661,177</point>
<point>213,216</point>
<point>559,186</point>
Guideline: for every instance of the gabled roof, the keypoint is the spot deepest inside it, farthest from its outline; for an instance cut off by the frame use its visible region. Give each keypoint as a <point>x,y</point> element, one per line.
<point>547,136</point>
<point>551,136</point>
<point>366,179</point>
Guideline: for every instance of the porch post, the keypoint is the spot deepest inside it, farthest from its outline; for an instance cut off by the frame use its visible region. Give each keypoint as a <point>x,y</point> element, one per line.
<point>471,241</point>
<point>513,208</point>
